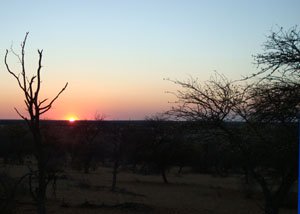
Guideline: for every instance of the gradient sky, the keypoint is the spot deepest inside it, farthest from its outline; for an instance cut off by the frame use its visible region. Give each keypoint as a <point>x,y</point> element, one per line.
<point>115,54</point>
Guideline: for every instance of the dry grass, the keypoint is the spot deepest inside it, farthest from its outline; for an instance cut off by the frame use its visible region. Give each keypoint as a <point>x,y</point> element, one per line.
<point>189,193</point>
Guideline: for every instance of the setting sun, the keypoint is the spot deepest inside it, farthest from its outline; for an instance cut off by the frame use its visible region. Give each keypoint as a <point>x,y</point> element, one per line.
<point>72,119</point>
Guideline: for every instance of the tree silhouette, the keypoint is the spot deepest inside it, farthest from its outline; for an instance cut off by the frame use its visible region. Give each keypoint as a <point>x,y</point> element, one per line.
<point>87,133</point>
<point>275,99</point>
<point>210,101</point>
<point>280,60</point>
<point>31,88</point>
<point>162,143</point>
<point>267,140</point>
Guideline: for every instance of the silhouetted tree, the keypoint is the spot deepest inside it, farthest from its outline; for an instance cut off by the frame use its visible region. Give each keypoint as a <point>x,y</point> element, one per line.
<point>163,140</point>
<point>280,60</point>
<point>31,88</point>
<point>275,100</point>
<point>209,105</point>
<point>115,137</point>
<point>210,101</point>
<point>87,133</point>
<point>267,105</point>
<point>117,151</point>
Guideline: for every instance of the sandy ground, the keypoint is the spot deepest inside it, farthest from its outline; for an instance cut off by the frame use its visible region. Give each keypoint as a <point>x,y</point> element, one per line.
<point>188,193</point>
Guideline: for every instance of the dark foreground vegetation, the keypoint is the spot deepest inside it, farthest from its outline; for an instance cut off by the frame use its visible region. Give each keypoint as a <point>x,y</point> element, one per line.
<point>148,166</point>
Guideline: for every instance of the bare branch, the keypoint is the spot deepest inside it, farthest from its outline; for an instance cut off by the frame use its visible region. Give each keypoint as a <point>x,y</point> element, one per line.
<point>31,86</point>
<point>12,73</point>
<point>41,102</point>
<point>23,63</point>
<point>47,107</point>
<point>23,117</point>
<point>39,75</point>
<point>209,101</point>
<point>281,56</point>
<point>17,55</point>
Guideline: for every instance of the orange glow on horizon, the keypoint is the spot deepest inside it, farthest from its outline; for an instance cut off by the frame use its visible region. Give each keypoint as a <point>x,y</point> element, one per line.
<point>72,118</point>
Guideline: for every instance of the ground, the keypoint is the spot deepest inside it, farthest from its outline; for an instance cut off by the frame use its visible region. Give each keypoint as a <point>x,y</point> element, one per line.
<point>187,193</point>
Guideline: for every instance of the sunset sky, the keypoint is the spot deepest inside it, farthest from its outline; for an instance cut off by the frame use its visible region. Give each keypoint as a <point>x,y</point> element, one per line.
<point>116,54</point>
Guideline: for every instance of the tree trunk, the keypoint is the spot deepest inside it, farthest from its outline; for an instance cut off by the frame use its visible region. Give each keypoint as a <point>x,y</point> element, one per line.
<point>87,159</point>
<point>163,174</point>
<point>180,170</point>
<point>246,174</point>
<point>115,172</point>
<point>86,166</point>
<point>42,185</point>
<point>41,200</point>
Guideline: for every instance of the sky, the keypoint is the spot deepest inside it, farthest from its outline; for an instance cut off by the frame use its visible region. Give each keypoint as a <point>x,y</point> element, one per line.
<point>116,54</point>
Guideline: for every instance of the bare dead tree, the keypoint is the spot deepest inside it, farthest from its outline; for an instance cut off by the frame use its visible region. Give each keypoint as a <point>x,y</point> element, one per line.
<point>31,88</point>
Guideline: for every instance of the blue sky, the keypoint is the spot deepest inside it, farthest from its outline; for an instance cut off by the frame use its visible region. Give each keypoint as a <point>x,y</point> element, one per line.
<point>115,54</point>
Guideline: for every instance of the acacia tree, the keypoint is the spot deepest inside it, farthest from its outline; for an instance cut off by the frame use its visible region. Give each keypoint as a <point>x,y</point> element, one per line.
<point>210,105</point>
<point>267,105</point>
<point>275,146</point>
<point>265,143</point>
<point>275,99</point>
<point>35,107</point>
